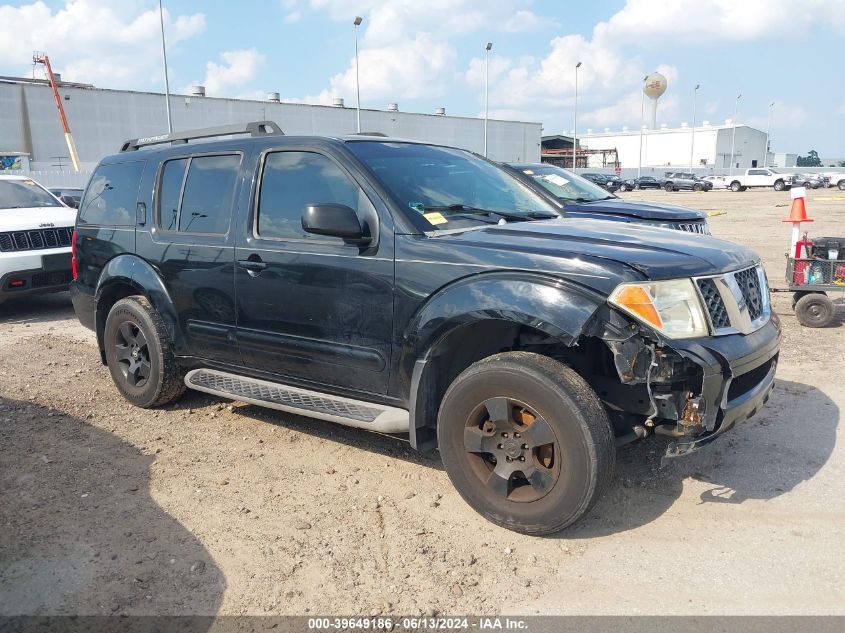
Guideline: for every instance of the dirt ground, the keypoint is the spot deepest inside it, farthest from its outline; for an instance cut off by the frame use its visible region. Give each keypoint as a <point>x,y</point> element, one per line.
<point>212,507</point>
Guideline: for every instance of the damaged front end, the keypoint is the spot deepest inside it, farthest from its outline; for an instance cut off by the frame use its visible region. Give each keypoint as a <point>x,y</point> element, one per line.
<point>690,390</point>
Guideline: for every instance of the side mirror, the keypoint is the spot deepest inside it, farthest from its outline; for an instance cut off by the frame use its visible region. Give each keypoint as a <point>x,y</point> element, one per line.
<point>336,220</point>
<point>69,202</point>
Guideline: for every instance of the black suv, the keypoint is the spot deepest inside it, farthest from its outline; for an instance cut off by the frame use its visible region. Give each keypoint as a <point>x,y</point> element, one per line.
<point>421,290</point>
<point>578,197</point>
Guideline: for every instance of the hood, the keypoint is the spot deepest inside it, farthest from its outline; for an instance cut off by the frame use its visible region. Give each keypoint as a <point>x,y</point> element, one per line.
<point>656,253</point>
<point>640,210</point>
<point>34,217</point>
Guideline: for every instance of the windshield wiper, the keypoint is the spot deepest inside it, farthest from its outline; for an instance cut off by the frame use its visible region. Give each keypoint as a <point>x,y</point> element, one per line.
<point>463,209</point>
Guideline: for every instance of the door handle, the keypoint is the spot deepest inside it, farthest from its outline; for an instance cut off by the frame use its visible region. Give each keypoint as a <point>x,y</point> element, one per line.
<point>252,265</point>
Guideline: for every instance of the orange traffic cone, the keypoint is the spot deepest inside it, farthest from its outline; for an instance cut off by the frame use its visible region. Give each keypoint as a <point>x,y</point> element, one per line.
<point>798,212</point>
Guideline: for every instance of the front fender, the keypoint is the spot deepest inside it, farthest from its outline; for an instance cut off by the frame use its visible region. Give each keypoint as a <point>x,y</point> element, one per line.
<point>559,308</point>
<point>135,272</point>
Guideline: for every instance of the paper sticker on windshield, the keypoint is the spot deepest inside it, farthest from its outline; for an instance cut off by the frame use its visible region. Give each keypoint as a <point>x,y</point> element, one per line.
<point>29,182</point>
<point>435,217</point>
<point>528,172</point>
<point>560,181</point>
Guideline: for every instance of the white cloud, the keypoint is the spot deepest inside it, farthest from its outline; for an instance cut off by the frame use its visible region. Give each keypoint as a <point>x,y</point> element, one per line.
<point>237,69</point>
<point>405,47</point>
<point>648,22</point>
<point>784,115</point>
<point>93,41</point>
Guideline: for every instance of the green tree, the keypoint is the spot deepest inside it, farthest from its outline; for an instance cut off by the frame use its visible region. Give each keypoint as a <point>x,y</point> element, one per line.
<point>810,160</point>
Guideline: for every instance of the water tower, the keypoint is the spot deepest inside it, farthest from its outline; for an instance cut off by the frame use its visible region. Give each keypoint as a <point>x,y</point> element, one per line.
<point>654,87</point>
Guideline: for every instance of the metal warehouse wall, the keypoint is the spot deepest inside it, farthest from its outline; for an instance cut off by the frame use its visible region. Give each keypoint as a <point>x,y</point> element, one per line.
<point>102,119</point>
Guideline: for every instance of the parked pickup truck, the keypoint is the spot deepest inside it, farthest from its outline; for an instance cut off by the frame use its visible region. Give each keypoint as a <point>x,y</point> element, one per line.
<point>760,178</point>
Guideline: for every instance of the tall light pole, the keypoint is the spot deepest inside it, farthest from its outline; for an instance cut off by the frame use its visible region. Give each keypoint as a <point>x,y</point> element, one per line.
<point>357,22</point>
<point>733,137</point>
<point>768,130</point>
<point>166,78</point>
<point>642,114</point>
<point>692,138</point>
<point>575,121</point>
<point>487,49</point>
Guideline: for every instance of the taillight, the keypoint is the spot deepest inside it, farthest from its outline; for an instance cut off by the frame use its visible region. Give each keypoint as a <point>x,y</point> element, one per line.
<point>73,254</point>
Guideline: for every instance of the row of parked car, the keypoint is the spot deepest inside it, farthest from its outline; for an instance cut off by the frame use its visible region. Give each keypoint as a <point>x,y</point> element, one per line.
<point>686,181</point>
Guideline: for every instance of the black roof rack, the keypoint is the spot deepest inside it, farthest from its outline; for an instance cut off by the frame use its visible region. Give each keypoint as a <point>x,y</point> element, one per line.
<point>370,134</point>
<point>254,128</point>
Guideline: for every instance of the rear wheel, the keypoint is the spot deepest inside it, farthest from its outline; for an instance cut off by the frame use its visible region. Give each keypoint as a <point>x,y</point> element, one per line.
<point>735,186</point>
<point>138,354</point>
<point>841,184</point>
<point>815,309</point>
<point>526,442</point>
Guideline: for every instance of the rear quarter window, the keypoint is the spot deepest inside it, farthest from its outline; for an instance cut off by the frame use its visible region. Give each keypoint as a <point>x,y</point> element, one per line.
<point>112,194</point>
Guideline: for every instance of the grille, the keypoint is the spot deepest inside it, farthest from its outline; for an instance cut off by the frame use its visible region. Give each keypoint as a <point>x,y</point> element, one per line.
<point>714,302</point>
<point>44,280</point>
<point>749,284</point>
<point>246,388</point>
<point>693,227</point>
<point>35,240</point>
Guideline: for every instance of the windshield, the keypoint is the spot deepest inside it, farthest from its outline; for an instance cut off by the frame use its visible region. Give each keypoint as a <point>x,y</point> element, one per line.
<point>21,194</point>
<point>564,184</point>
<point>449,188</point>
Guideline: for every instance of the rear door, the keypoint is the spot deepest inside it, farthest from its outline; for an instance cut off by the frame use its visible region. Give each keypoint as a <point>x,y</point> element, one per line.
<point>190,242</point>
<point>317,310</point>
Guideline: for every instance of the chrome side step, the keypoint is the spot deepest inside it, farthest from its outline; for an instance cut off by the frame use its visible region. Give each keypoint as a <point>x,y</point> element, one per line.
<point>357,413</point>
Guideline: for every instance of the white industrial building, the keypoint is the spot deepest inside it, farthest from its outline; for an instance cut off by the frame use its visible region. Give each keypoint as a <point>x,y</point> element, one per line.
<point>101,120</point>
<point>670,147</point>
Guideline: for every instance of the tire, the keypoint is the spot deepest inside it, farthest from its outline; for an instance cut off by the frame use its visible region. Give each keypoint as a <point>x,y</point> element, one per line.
<point>796,296</point>
<point>138,354</point>
<point>668,187</point>
<point>637,187</point>
<point>841,185</point>
<point>623,188</point>
<point>779,185</point>
<point>815,309</point>
<point>697,187</point>
<point>521,390</point>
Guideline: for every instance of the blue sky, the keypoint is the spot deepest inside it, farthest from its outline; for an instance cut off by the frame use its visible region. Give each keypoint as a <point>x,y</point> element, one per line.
<point>429,53</point>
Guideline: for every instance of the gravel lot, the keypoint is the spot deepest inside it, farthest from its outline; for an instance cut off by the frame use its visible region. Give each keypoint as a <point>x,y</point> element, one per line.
<point>216,507</point>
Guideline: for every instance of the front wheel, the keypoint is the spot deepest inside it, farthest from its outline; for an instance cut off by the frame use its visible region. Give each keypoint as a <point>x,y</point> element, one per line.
<point>841,185</point>
<point>815,310</point>
<point>668,187</point>
<point>697,187</point>
<point>526,442</point>
<point>138,354</point>
<point>779,185</point>
<point>623,187</point>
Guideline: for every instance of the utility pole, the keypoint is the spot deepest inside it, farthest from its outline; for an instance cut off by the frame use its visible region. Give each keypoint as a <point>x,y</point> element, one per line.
<point>642,114</point>
<point>692,141</point>
<point>42,58</point>
<point>575,121</point>
<point>486,90</point>
<point>768,130</point>
<point>733,137</point>
<point>357,22</point>
<point>166,78</point>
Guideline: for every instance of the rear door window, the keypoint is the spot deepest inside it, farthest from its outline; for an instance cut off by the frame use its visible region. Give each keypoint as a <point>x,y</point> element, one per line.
<point>112,194</point>
<point>196,194</point>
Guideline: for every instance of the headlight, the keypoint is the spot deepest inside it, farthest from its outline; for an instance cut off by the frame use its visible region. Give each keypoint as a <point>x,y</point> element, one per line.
<point>671,307</point>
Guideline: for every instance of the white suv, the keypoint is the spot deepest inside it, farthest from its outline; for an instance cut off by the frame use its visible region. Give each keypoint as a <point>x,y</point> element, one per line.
<point>35,237</point>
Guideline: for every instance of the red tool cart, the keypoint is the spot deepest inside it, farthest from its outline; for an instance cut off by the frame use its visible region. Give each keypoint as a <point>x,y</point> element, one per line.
<point>816,268</point>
